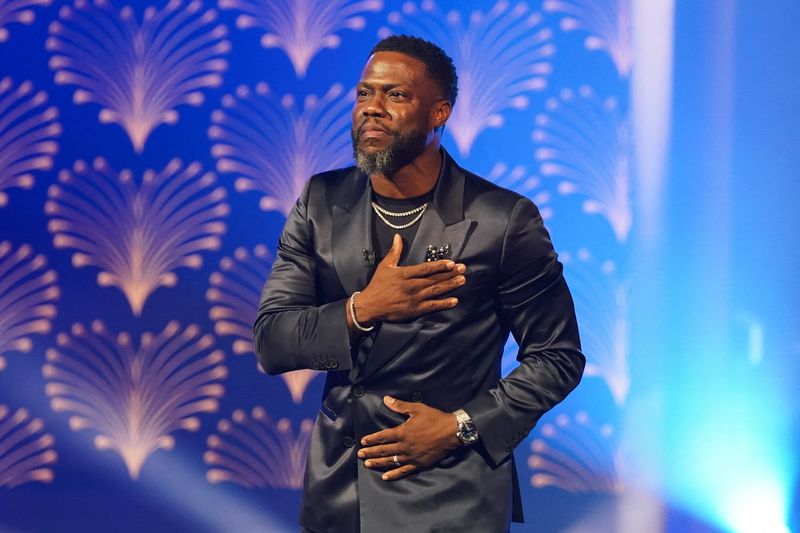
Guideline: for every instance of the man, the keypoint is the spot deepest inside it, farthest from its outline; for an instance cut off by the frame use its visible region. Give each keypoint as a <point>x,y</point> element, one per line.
<point>402,277</point>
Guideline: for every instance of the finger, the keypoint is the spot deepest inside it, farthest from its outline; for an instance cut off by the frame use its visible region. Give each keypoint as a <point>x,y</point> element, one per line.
<point>385,463</point>
<point>385,436</point>
<point>399,406</point>
<point>432,306</point>
<point>442,287</point>
<point>423,270</point>
<point>380,451</point>
<point>393,255</point>
<point>438,277</point>
<point>398,473</point>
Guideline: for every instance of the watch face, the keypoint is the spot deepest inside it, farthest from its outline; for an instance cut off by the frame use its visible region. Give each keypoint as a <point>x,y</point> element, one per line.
<point>467,432</point>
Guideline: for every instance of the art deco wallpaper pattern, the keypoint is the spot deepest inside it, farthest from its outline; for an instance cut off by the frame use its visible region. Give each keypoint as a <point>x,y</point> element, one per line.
<point>149,153</point>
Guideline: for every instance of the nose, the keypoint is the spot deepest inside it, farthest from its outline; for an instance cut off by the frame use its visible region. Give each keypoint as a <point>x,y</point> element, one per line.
<point>373,107</point>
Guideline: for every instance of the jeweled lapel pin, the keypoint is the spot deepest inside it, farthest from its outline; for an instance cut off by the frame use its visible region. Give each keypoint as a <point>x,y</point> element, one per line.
<point>434,253</point>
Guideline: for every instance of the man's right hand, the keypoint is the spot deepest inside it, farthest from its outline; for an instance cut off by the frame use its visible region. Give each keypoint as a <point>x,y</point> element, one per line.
<point>398,293</point>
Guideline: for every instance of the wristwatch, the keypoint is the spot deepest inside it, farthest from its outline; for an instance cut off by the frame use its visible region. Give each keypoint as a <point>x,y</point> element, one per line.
<point>467,433</point>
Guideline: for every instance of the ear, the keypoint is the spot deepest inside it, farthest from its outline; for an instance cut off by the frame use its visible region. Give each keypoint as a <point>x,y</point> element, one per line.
<point>440,113</point>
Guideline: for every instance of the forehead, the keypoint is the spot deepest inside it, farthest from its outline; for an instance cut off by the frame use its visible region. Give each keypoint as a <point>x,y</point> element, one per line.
<point>396,68</point>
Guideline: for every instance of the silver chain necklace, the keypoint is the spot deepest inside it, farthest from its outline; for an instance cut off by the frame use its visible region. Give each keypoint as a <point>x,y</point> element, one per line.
<point>380,211</point>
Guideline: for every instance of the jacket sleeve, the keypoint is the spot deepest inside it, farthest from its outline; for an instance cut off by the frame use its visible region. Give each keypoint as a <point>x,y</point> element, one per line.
<point>535,303</point>
<point>293,330</point>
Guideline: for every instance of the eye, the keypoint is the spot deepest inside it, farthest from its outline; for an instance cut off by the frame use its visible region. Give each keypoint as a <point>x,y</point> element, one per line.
<point>397,94</point>
<point>362,93</point>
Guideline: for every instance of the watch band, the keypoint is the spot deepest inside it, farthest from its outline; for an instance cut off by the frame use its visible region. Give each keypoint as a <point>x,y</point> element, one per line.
<point>461,416</point>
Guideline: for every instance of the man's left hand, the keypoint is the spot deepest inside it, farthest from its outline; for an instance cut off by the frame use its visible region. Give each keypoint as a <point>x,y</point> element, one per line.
<point>419,442</point>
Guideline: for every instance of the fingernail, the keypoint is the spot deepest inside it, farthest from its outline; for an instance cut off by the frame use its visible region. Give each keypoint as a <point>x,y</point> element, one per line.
<point>361,454</point>
<point>363,442</point>
<point>367,463</point>
<point>461,269</point>
<point>388,399</point>
<point>450,264</point>
<point>453,301</point>
<point>385,477</point>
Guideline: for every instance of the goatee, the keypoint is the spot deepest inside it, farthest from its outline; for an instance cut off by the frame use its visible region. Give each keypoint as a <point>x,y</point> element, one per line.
<point>402,149</point>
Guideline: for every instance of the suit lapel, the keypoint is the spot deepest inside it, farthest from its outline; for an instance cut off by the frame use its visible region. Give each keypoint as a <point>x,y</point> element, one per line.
<point>442,223</point>
<point>352,234</point>
<point>433,231</point>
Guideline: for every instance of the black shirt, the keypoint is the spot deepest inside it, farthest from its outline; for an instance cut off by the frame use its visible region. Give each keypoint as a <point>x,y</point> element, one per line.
<point>382,234</point>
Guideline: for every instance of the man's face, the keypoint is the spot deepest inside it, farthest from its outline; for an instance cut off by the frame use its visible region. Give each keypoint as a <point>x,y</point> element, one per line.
<point>394,114</point>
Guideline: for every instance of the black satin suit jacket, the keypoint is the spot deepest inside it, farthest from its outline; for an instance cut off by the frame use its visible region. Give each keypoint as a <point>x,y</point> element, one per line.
<point>448,360</point>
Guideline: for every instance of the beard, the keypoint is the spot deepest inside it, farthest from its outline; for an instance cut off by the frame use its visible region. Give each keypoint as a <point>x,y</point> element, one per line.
<point>402,149</point>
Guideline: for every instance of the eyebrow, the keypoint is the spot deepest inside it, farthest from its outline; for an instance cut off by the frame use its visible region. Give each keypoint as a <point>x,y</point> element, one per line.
<point>384,87</point>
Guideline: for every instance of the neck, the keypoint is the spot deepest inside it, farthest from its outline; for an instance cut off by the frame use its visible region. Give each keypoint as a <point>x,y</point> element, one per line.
<point>415,179</point>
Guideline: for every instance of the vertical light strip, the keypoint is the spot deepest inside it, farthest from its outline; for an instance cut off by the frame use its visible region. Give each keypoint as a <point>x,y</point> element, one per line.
<point>641,507</point>
<point>651,91</point>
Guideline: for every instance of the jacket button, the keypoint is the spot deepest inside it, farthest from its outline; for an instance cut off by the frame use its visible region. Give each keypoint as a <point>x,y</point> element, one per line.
<point>416,396</point>
<point>333,364</point>
<point>358,391</point>
<point>433,341</point>
<point>348,441</point>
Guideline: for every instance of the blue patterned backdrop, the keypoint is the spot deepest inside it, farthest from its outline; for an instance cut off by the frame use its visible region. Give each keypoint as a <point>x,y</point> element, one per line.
<point>150,151</point>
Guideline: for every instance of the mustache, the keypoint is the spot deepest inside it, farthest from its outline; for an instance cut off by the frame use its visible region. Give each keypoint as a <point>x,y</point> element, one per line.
<point>372,125</point>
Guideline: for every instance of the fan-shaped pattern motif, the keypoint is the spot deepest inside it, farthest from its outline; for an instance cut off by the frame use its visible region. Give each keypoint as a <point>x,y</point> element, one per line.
<point>502,57</point>
<point>608,23</point>
<point>26,450</point>
<point>234,294</point>
<point>28,292</point>
<point>518,179</point>
<point>301,28</point>
<point>28,132</point>
<point>585,141</point>
<point>256,452</point>
<point>138,73</point>
<point>273,147</point>
<point>134,397</point>
<point>577,455</point>
<point>602,302</point>
<point>137,234</point>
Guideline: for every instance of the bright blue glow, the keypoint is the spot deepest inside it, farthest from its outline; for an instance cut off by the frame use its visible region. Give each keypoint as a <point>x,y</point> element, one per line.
<point>729,350</point>
<point>757,509</point>
<point>731,454</point>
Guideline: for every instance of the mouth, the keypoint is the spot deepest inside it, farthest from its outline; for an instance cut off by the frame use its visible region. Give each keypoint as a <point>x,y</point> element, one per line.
<point>372,130</point>
<point>372,136</point>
